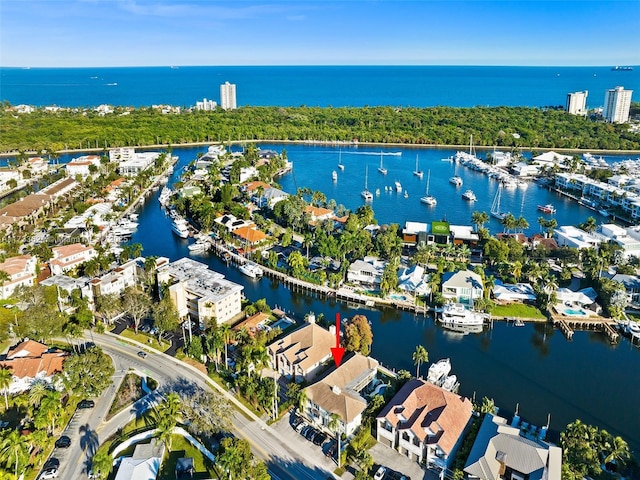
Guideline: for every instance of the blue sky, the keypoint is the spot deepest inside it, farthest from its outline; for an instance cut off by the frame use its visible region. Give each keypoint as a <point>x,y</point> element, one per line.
<point>67,33</point>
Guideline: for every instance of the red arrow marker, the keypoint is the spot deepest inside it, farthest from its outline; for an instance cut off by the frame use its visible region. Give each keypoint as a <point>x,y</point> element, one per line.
<point>338,351</point>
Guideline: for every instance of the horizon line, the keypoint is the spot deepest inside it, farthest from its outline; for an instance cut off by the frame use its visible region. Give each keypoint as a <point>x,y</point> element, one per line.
<point>27,67</point>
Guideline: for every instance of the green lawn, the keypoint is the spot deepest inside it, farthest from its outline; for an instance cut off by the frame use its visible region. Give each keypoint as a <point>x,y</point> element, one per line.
<point>180,447</point>
<point>144,339</point>
<point>517,310</point>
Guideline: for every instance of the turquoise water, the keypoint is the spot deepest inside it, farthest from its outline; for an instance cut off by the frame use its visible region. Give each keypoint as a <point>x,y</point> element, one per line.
<point>575,313</point>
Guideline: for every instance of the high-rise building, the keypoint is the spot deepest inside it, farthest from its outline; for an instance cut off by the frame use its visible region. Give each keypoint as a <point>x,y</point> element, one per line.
<point>206,105</point>
<point>617,102</point>
<point>577,103</point>
<point>228,96</point>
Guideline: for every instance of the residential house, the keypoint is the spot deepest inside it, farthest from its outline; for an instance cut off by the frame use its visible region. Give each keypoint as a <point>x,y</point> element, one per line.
<point>271,196</point>
<point>339,393</point>
<point>500,452</point>
<point>68,257</point>
<point>249,236</point>
<point>7,174</point>
<point>21,271</point>
<point>140,162</point>
<point>80,167</point>
<point>144,464</point>
<point>414,280</point>
<point>570,236</point>
<point>38,165</point>
<point>627,238</point>
<point>230,223</point>
<point>200,293</point>
<point>462,286</point>
<point>318,214</point>
<point>247,173</point>
<point>253,323</point>
<point>631,286</point>
<point>23,211</point>
<point>424,422</point>
<point>60,188</point>
<point>118,279</point>
<point>509,293</point>
<point>299,355</point>
<point>32,361</point>
<point>367,271</point>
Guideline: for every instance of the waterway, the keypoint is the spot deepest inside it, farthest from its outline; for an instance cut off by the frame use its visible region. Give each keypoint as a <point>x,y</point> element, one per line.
<point>533,366</point>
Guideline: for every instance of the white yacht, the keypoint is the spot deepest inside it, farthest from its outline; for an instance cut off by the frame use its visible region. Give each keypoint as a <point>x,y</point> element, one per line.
<point>428,199</point>
<point>451,383</point>
<point>334,176</point>
<point>456,180</point>
<point>165,194</point>
<point>199,247</point>
<point>381,168</point>
<point>469,196</point>
<point>366,194</point>
<point>458,314</point>
<point>251,270</point>
<point>180,227</point>
<point>417,172</point>
<point>398,186</point>
<point>438,371</point>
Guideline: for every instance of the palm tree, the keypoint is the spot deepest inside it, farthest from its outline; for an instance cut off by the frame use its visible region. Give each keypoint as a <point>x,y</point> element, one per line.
<point>479,219</point>
<point>102,463</point>
<point>166,418</point>
<point>227,335</point>
<point>37,392</point>
<point>617,448</point>
<point>335,424</point>
<point>6,378</point>
<point>420,356</point>
<point>15,450</point>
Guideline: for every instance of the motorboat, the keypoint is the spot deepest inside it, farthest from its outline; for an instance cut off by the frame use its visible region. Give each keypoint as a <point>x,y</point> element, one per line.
<point>456,180</point>
<point>180,227</point>
<point>438,371</point>
<point>458,314</point>
<point>165,194</point>
<point>509,184</point>
<point>366,194</point>
<point>340,165</point>
<point>451,383</point>
<point>398,186</point>
<point>199,247</point>
<point>251,270</point>
<point>548,208</point>
<point>406,194</point>
<point>469,196</point>
<point>334,176</point>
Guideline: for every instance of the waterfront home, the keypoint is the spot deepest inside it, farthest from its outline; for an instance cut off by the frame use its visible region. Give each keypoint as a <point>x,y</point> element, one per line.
<point>440,233</point>
<point>23,211</point>
<point>247,173</point>
<point>464,234</point>
<point>21,271</point>
<point>60,188</point>
<point>145,462</point>
<point>121,154</point>
<point>69,257</point>
<point>7,174</point>
<point>94,215</point>
<point>32,361</point>
<point>574,237</point>
<point>317,214</point>
<point>253,323</point>
<point>271,196</point>
<point>38,165</point>
<point>367,271</point>
<point>424,422</point>
<point>250,235</point>
<point>140,162</point>
<point>524,169</point>
<point>230,223</point>
<point>552,158</point>
<point>339,393</point>
<point>546,242</point>
<point>627,238</point>
<point>299,355</point>
<point>414,280</point>
<point>462,286</point>
<point>500,452</point>
<point>510,293</point>
<point>631,286</point>
<point>200,293</point>
<point>81,166</point>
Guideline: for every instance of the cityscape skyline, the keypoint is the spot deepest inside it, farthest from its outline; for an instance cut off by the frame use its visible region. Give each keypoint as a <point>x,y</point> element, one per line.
<point>83,33</point>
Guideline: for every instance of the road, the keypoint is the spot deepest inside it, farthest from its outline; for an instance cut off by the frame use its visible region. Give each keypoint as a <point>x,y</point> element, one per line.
<point>88,429</point>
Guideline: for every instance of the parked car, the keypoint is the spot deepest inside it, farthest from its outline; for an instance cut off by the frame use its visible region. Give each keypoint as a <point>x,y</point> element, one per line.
<point>49,473</point>
<point>86,404</point>
<point>53,462</point>
<point>319,439</point>
<point>299,427</point>
<point>142,354</point>
<point>305,429</point>
<point>331,450</point>
<point>311,433</point>
<point>380,473</point>
<point>63,442</point>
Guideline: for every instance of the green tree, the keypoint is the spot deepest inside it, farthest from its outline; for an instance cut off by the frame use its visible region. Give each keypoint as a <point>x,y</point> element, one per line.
<point>166,418</point>
<point>165,316</point>
<point>358,335</point>
<point>335,425</point>
<point>205,412</point>
<point>137,304</point>
<point>6,378</point>
<point>88,373</point>
<point>420,355</point>
<point>102,463</point>
<point>14,449</point>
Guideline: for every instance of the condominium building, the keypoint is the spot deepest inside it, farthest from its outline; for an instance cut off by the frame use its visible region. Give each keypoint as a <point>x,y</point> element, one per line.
<point>200,293</point>
<point>208,105</point>
<point>577,103</point>
<point>228,96</point>
<point>617,102</point>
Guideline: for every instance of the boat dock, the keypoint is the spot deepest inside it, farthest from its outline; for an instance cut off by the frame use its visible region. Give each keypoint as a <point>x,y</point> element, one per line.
<point>568,326</point>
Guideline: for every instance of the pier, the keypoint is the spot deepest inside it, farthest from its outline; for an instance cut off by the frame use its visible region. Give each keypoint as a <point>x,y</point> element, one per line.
<point>568,326</point>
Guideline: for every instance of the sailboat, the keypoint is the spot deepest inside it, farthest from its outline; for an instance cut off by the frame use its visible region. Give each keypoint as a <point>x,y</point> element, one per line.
<point>381,168</point>
<point>417,172</point>
<point>428,199</point>
<point>366,194</point>
<point>340,165</point>
<point>495,207</point>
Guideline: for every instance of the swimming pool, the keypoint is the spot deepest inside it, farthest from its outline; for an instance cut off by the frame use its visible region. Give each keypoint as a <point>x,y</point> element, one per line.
<point>402,298</point>
<point>572,312</point>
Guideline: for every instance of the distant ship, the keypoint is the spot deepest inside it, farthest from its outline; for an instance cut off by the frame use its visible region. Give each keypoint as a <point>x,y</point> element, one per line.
<point>619,68</point>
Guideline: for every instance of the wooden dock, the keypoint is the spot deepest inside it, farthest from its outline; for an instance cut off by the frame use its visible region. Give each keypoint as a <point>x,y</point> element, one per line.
<point>568,326</point>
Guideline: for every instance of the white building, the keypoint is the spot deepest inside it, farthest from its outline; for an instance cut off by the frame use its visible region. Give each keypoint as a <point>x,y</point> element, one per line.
<point>144,464</point>
<point>200,293</point>
<point>68,257</point>
<point>577,103</point>
<point>570,236</point>
<point>9,174</point>
<point>21,271</point>
<point>117,280</point>
<point>32,361</point>
<point>140,161</point>
<point>81,166</point>
<point>367,271</point>
<point>38,165</point>
<point>617,102</point>
<point>121,154</point>
<point>463,286</point>
<point>228,96</point>
<point>206,105</point>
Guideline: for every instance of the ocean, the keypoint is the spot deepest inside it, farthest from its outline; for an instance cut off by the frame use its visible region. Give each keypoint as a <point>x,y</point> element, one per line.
<point>338,86</point>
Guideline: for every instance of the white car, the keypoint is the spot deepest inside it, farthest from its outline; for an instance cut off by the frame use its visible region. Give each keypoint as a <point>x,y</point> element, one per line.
<point>49,473</point>
<point>380,473</point>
